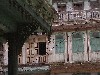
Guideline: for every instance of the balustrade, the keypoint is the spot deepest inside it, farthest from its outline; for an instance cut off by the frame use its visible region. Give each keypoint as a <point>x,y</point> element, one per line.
<point>78,15</point>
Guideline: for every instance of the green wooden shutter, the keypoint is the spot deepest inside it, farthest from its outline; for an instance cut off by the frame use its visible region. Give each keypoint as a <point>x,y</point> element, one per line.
<point>95,41</point>
<point>77,42</point>
<point>59,43</point>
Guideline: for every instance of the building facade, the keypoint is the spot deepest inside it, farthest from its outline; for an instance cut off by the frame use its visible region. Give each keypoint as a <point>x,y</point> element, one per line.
<point>75,37</point>
<point>67,45</point>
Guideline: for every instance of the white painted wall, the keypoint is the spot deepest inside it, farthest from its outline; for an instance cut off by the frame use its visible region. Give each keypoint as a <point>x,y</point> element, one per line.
<point>95,56</point>
<point>51,57</point>
<point>78,57</point>
<point>55,57</point>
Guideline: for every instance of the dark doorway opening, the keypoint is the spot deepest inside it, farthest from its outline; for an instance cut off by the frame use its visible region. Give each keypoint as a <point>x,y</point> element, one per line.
<point>42,48</point>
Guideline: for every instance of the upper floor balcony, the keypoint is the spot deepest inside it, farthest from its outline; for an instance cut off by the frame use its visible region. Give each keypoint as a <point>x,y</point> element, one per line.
<point>78,15</point>
<point>78,18</point>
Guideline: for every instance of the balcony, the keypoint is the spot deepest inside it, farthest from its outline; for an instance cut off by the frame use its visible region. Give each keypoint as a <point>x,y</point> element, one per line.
<point>78,15</point>
<point>77,20</point>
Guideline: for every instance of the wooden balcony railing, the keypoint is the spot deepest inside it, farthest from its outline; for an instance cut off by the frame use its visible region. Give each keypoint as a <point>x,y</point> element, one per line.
<point>78,15</point>
<point>77,20</point>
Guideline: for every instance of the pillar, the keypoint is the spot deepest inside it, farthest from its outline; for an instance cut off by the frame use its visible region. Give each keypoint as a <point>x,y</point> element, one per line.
<point>70,46</point>
<point>66,48</point>
<point>51,48</point>
<point>12,54</point>
<point>5,45</point>
<point>24,54</point>
<point>89,46</point>
<point>85,46</point>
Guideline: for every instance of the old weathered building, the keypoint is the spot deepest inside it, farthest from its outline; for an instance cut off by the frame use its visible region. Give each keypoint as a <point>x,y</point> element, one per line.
<point>74,43</point>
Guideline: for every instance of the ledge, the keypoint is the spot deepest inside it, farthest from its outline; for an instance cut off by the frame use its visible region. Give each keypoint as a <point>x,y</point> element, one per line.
<point>77,27</point>
<point>75,68</point>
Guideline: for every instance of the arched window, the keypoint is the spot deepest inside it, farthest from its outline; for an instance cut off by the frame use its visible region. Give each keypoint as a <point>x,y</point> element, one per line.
<point>77,42</point>
<point>95,41</point>
<point>59,43</point>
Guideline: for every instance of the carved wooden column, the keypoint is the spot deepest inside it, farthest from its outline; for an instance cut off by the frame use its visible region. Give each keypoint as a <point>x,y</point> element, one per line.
<point>12,54</point>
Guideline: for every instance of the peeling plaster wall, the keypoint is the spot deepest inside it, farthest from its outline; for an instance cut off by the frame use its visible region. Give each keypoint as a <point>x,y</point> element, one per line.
<point>51,57</point>
<point>86,55</point>
<point>78,57</point>
<point>68,56</point>
<point>54,57</point>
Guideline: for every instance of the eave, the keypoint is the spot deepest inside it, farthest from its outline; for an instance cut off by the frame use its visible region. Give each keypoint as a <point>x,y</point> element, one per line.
<point>76,27</point>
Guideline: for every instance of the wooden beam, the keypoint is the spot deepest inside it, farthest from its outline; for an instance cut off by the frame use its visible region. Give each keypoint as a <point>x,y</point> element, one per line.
<point>79,27</point>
